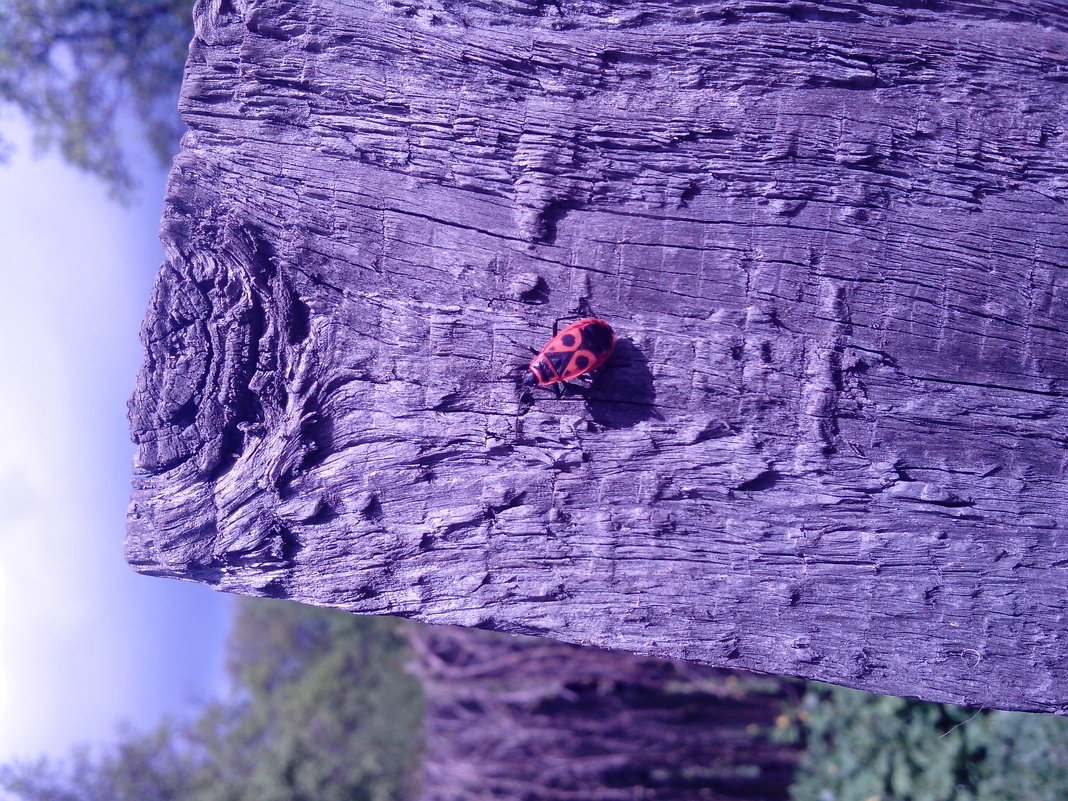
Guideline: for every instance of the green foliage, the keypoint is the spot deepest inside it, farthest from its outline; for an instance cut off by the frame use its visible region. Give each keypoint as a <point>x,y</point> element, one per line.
<point>323,711</point>
<point>864,747</point>
<point>142,767</point>
<point>71,67</point>
<point>314,732</point>
<point>1027,758</point>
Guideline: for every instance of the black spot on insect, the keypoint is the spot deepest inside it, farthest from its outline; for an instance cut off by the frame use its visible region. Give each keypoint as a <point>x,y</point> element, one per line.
<point>568,340</point>
<point>597,338</point>
<point>581,362</point>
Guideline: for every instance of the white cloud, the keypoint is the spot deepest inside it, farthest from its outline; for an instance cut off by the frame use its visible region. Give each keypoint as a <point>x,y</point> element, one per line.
<point>83,641</point>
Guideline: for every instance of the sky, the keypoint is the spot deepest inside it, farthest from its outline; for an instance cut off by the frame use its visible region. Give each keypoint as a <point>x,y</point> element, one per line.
<point>85,643</point>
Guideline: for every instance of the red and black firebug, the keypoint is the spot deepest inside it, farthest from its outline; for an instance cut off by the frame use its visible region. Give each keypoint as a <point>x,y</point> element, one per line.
<point>578,349</point>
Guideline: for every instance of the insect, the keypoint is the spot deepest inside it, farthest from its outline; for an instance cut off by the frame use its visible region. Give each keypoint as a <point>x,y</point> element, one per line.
<point>579,349</point>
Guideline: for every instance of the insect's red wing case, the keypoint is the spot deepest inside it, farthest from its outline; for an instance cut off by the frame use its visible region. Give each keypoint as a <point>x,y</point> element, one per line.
<point>580,348</point>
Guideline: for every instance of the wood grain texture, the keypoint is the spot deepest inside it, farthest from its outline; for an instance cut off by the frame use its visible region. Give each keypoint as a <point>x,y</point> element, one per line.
<point>833,242</point>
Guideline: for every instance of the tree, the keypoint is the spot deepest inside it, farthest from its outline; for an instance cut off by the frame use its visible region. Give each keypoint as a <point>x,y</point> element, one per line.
<point>73,68</point>
<point>863,746</point>
<point>322,709</point>
<point>326,710</point>
<point>512,718</point>
<point>142,766</point>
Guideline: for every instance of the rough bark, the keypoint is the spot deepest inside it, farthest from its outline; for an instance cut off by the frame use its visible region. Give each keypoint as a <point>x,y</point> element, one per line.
<point>528,718</point>
<point>832,240</point>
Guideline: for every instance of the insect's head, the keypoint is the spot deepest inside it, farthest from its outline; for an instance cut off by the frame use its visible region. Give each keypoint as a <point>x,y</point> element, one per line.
<point>529,379</point>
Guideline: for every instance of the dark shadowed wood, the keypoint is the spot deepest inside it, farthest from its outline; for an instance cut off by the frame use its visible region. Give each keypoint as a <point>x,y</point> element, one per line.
<point>525,718</point>
<point>832,239</point>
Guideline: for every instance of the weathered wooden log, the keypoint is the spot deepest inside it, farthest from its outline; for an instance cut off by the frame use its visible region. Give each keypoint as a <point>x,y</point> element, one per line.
<point>523,718</point>
<point>831,238</point>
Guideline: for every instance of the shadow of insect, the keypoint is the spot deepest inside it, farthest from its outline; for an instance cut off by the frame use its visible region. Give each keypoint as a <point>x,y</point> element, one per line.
<point>623,394</point>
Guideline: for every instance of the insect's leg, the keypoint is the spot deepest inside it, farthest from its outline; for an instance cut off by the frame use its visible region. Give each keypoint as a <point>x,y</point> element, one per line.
<point>569,391</point>
<point>525,400</point>
<point>583,310</point>
<point>518,417</point>
<point>592,376</point>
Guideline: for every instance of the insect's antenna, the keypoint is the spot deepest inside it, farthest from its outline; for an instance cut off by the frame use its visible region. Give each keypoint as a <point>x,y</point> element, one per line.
<point>556,323</point>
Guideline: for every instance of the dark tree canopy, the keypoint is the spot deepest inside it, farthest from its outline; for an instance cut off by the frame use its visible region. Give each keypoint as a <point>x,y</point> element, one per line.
<point>529,718</point>
<point>74,67</point>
